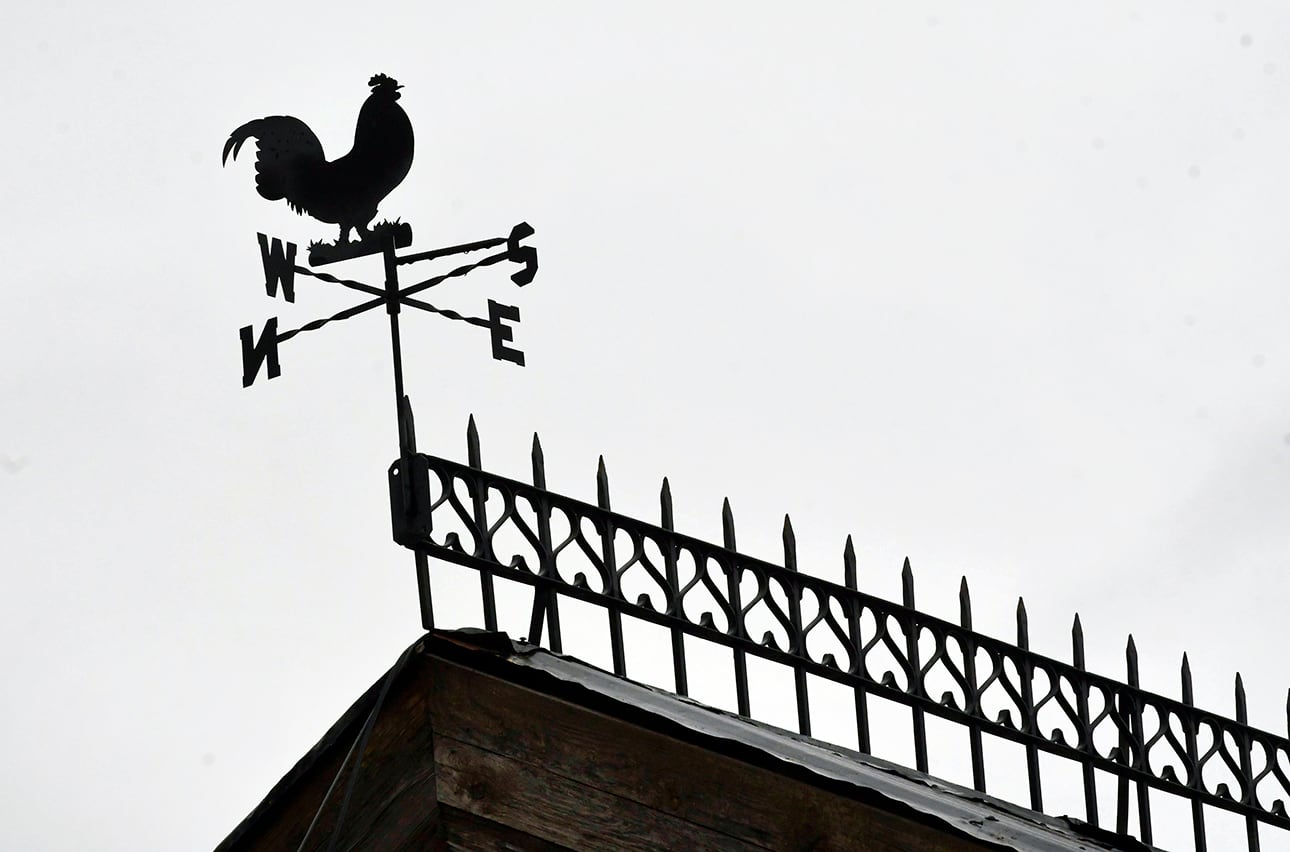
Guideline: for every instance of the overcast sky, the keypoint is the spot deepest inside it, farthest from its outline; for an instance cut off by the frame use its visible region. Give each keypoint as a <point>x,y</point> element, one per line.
<point>1002,290</point>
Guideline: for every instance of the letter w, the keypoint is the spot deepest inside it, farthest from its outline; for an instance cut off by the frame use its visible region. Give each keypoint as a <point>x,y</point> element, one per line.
<point>279,267</point>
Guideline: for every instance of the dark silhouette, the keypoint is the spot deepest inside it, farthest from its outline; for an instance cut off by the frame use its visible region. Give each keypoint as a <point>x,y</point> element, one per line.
<point>290,163</point>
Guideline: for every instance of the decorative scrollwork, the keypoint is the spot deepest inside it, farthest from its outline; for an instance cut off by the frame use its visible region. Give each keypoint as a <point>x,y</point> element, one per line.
<point>992,687</point>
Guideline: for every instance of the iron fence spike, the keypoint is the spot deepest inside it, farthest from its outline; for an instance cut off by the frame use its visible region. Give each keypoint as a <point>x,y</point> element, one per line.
<point>665,504</point>
<point>1240,700</point>
<point>790,545</point>
<point>1077,642</point>
<point>602,485</point>
<point>727,524</point>
<point>1185,674</point>
<point>539,463</point>
<point>849,564</point>
<point>907,584</point>
<point>1023,625</point>
<point>1131,660</point>
<point>473,457</point>
<point>965,603</point>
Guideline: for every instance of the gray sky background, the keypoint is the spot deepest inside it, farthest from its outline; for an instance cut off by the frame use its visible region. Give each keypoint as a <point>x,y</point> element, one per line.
<point>1002,289</point>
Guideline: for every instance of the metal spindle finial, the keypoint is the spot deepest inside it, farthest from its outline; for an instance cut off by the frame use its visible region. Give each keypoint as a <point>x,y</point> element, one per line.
<point>1241,710</point>
<point>1023,625</point>
<point>539,464</point>
<point>727,525</point>
<point>907,584</point>
<point>1131,660</point>
<point>965,604</point>
<point>472,444</point>
<point>790,545</point>
<point>602,485</point>
<point>1077,643</point>
<point>1188,696</point>
<point>665,505</point>
<point>849,565</point>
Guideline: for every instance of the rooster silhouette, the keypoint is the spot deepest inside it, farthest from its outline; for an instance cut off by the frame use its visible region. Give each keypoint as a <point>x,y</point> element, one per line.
<point>290,162</point>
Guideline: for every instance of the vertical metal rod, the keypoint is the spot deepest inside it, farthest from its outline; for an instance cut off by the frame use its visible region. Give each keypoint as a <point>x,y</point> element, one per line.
<point>1193,763</point>
<point>1085,729</point>
<point>1137,757</point>
<point>853,632</point>
<point>403,418</point>
<point>1247,772</point>
<point>915,667</point>
<point>674,605</point>
<point>797,642</point>
<point>972,701</point>
<point>1123,755</point>
<point>1031,721</point>
<point>736,608</point>
<point>392,308</point>
<point>612,590</point>
<point>423,590</point>
<point>483,548</point>
<point>545,603</point>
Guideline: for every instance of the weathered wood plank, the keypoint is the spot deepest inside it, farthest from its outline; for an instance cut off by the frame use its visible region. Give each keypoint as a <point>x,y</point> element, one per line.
<point>393,803</point>
<point>554,739</point>
<point>466,832</point>
<point>560,810</point>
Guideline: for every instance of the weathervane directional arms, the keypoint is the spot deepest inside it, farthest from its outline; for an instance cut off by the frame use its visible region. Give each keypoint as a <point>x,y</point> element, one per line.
<point>280,269</point>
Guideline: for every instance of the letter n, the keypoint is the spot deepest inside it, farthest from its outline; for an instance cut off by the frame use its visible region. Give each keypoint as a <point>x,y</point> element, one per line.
<point>279,267</point>
<point>256,352</point>
<point>501,333</point>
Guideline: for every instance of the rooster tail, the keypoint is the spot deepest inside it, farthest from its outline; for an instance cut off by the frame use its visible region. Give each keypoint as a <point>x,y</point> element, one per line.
<point>285,149</point>
<point>236,139</point>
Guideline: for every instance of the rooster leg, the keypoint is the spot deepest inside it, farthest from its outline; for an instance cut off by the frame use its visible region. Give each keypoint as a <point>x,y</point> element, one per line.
<point>344,235</point>
<point>363,233</point>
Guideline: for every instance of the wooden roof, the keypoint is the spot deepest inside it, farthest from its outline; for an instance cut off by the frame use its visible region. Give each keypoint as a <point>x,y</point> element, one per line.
<point>480,743</point>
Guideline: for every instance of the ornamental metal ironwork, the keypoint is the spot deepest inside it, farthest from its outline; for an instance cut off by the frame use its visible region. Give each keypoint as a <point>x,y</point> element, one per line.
<point>290,165</point>
<point>564,548</point>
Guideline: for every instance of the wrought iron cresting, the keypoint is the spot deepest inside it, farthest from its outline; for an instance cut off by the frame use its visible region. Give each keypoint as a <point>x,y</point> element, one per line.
<point>1161,744</point>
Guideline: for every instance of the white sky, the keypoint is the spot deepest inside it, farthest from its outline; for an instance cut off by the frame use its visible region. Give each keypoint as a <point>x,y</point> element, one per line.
<point>1003,290</point>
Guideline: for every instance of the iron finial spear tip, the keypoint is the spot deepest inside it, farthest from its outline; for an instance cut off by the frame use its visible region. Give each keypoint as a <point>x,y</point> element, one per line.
<point>907,583</point>
<point>665,504</point>
<point>727,524</point>
<point>602,484</point>
<point>849,563</point>
<point>472,442</point>
<point>539,463</point>
<point>1185,676</point>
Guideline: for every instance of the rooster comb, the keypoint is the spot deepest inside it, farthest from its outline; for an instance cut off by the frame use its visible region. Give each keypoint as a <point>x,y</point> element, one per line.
<point>383,81</point>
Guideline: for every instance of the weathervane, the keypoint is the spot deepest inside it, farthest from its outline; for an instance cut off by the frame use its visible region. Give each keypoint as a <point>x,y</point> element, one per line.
<point>290,165</point>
